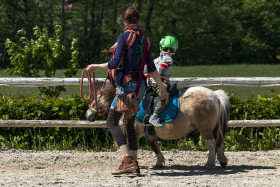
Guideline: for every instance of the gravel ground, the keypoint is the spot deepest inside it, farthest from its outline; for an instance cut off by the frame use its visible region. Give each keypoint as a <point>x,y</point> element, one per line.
<point>182,168</point>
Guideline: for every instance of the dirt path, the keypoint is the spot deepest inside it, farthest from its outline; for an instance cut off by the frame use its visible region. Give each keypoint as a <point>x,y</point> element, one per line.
<point>182,168</point>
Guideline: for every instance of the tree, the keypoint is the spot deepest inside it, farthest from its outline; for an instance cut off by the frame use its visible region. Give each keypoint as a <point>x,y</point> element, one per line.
<point>209,32</point>
<point>41,53</point>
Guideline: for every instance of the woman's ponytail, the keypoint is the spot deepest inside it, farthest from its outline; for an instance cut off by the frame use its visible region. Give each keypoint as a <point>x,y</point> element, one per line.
<point>131,16</point>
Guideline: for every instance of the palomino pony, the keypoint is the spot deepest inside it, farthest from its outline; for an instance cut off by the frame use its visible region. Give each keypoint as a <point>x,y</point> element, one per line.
<point>200,109</point>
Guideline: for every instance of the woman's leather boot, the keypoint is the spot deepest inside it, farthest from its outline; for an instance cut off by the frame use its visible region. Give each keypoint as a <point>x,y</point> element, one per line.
<point>126,167</point>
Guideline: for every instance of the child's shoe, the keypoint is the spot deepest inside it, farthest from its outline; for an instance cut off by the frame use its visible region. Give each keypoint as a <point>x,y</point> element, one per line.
<point>154,120</point>
<point>120,91</point>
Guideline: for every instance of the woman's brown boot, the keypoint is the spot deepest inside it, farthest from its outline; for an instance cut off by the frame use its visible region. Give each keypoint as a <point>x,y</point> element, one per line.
<point>135,171</point>
<point>126,167</point>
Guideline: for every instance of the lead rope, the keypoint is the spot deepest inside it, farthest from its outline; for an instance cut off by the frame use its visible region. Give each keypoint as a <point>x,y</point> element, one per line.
<point>92,88</point>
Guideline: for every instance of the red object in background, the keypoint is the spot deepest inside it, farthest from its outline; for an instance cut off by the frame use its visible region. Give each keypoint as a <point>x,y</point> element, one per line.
<point>68,6</point>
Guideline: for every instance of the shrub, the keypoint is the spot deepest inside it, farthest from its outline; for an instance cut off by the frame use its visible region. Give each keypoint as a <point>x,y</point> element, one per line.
<point>73,108</point>
<point>28,56</point>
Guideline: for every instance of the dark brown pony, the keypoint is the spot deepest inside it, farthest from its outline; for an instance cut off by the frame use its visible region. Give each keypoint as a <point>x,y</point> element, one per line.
<point>200,109</point>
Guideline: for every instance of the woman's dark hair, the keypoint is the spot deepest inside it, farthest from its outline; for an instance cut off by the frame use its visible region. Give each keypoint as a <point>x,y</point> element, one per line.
<point>131,16</point>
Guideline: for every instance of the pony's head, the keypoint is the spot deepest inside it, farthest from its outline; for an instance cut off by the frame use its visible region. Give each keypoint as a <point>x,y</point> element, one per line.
<point>104,100</point>
<point>91,114</point>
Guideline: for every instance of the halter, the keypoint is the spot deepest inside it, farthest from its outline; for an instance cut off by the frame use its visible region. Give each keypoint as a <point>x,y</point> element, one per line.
<point>96,105</point>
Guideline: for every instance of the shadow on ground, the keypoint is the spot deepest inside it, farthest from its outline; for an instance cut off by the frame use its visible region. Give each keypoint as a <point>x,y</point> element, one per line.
<point>180,170</point>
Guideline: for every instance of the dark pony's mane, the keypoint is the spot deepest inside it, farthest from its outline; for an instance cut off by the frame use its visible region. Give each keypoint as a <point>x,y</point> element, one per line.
<point>108,93</point>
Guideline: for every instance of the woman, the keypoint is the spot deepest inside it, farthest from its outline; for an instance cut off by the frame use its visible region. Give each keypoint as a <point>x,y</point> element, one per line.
<point>130,66</point>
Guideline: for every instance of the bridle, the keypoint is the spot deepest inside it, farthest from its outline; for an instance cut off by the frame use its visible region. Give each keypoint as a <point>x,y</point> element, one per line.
<point>96,105</point>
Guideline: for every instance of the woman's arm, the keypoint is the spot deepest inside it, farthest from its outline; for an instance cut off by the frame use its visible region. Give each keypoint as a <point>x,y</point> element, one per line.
<point>161,85</point>
<point>93,67</point>
<point>113,63</point>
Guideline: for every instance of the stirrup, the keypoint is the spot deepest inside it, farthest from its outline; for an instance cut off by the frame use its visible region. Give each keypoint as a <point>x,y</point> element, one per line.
<point>146,120</point>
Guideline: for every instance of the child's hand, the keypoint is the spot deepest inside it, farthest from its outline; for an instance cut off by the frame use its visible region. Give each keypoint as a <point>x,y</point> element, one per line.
<point>148,82</point>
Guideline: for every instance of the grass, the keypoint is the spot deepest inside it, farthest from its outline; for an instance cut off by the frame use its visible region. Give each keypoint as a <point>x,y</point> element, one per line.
<point>242,70</point>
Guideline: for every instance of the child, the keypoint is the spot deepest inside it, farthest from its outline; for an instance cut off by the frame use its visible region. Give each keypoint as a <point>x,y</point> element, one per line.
<point>168,47</point>
<point>118,75</point>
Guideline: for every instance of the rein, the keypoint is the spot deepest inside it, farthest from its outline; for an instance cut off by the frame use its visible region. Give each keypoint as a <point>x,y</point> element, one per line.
<point>92,91</point>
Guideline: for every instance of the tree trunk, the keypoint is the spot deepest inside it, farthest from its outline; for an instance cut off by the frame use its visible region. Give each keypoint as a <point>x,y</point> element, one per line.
<point>26,18</point>
<point>98,33</point>
<point>139,6</point>
<point>91,34</point>
<point>101,15</point>
<point>11,11</point>
<point>86,44</point>
<point>173,23</point>
<point>148,17</point>
<point>51,24</point>
<point>62,18</point>
<point>114,30</point>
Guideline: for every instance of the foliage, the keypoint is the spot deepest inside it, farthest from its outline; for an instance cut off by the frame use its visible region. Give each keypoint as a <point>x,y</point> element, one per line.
<point>209,32</point>
<point>73,108</point>
<point>252,109</point>
<point>43,52</point>
<point>33,108</point>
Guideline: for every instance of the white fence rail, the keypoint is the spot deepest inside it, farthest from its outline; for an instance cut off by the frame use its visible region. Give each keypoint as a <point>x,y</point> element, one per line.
<point>189,81</point>
<point>101,124</point>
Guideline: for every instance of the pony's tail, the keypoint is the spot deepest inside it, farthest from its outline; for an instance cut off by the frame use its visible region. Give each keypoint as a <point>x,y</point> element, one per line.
<point>224,114</point>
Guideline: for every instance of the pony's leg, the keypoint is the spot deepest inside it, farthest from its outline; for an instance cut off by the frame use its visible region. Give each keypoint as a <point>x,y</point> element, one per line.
<point>221,157</point>
<point>211,145</point>
<point>220,148</point>
<point>153,141</point>
<point>220,153</point>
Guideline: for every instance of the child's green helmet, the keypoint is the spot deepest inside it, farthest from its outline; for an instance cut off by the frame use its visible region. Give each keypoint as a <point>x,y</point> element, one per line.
<point>169,44</point>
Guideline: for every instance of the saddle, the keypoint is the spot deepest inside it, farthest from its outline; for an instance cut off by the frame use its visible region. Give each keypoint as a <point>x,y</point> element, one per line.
<point>169,114</point>
<point>147,107</point>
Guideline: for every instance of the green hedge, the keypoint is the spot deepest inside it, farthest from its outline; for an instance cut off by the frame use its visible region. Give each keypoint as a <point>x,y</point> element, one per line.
<point>35,108</point>
<point>73,108</point>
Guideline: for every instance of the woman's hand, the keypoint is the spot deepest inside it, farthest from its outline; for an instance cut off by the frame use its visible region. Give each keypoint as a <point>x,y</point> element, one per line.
<point>91,68</point>
<point>161,85</point>
<point>164,93</point>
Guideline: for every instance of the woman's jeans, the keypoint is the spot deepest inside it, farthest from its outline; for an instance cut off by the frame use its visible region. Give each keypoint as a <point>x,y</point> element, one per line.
<point>130,88</point>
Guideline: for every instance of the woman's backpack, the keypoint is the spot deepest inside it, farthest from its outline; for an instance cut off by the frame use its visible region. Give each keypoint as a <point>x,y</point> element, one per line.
<point>130,40</point>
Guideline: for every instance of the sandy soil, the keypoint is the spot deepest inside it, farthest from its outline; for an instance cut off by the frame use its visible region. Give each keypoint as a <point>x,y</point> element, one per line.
<point>182,168</point>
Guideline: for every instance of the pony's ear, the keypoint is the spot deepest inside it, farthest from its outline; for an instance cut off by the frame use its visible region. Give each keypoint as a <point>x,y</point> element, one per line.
<point>98,84</point>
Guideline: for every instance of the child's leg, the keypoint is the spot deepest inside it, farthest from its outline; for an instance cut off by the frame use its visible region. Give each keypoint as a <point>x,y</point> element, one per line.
<point>161,104</point>
<point>158,108</point>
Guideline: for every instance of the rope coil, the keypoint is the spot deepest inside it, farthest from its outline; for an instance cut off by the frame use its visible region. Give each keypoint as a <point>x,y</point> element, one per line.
<point>92,88</point>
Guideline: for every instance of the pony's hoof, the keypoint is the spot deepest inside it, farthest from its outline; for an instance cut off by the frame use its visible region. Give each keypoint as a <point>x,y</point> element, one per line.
<point>209,167</point>
<point>158,165</point>
<point>223,164</point>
